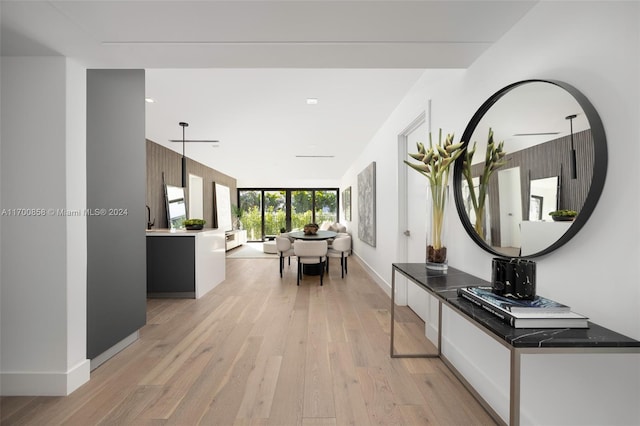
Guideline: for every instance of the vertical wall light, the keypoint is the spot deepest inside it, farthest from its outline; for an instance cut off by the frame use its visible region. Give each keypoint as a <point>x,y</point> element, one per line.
<point>574,172</point>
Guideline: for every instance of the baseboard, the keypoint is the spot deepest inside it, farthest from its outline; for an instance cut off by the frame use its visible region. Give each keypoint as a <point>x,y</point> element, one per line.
<point>384,285</point>
<point>113,350</point>
<point>431,333</point>
<point>45,383</point>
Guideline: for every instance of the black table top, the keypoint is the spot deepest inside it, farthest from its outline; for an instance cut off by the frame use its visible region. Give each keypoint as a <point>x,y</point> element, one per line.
<point>320,235</point>
<point>445,284</point>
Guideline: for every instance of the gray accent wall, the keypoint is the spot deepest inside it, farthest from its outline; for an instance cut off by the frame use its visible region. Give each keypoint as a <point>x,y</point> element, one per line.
<point>116,246</point>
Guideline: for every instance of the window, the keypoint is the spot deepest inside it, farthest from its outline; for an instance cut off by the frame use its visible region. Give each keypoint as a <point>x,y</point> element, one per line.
<point>301,208</point>
<point>251,205</point>
<point>326,206</point>
<point>267,211</point>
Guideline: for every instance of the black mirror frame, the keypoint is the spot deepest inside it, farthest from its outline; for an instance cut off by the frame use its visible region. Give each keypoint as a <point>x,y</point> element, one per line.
<point>599,166</point>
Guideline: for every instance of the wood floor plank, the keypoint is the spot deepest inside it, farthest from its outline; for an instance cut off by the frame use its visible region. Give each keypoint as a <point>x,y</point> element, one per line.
<point>224,407</point>
<point>129,411</point>
<point>350,406</point>
<point>12,404</point>
<point>381,405</point>
<point>200,395</point>
<point>258,397</point>
<point>259,350</point>
<point>177,388</point>
<point>319,421</point>
<point>286,408</point>
<point>318,398</point>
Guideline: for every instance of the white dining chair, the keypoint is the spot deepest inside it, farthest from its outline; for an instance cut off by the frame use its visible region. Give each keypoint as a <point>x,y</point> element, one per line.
<point>311,253</point>
<point>285,249</point>
<point>341,248</point>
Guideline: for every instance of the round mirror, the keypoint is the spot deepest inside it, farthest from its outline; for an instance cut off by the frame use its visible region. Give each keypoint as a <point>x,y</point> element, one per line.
<point>537,171</point>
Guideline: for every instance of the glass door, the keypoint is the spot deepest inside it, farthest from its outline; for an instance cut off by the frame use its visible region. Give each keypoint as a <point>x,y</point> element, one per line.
<point>275,213</point>
<point>301,209</point>
<point>251,205</point>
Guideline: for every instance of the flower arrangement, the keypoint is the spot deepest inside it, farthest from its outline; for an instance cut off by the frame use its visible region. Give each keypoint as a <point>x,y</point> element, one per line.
<point>434,164</point>
<point>494,159</point>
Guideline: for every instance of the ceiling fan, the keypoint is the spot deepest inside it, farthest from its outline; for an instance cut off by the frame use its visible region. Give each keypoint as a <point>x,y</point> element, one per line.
<point>184,159</point>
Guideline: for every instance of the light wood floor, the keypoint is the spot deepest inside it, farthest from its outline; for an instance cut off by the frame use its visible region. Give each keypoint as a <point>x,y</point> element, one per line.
<point>258,350</point>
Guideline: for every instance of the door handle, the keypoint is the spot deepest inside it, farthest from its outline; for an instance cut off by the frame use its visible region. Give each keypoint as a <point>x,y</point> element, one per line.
<point>407,233</point>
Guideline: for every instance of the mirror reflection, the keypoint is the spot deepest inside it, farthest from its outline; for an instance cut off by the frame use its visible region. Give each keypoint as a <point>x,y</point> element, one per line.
<point>176,206</point>
<point>543,198</point>
<point>545,163</point>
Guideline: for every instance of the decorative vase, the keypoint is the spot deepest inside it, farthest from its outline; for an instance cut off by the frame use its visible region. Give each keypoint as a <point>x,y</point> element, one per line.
<point>437,205</point>
<point>514,278</point>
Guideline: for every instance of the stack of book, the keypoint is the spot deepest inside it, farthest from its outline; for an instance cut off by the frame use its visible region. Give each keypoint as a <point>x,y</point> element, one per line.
<point>537,313</point>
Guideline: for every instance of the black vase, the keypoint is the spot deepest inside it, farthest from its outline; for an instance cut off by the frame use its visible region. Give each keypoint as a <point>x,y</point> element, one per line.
<point>514,278</point>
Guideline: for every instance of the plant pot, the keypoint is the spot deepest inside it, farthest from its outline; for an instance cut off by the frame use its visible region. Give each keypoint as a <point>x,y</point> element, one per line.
<point>194,227</point>
<point>563,218</point>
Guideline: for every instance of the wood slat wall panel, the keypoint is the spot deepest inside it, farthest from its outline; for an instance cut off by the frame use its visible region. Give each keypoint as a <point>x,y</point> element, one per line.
<point>163,160</point>
<point>545,160</point>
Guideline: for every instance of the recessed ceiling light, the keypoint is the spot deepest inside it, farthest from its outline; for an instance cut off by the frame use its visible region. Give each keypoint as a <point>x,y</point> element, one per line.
<point>149,100</point>
<point>315,156</point>
<point>312,101</point>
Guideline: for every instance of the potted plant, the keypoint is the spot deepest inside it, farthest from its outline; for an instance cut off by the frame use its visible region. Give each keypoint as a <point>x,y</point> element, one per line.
<point>563,215</point>
<point>194,224</point>
<point>237,212</point>
<point>434,165</point>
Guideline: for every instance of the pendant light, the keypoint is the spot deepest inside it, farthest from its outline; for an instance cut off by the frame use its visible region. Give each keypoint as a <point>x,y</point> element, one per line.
<point>184,158</point>
<point>574,172</point>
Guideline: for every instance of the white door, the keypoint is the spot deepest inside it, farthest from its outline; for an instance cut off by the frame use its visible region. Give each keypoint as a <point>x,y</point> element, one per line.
<point>510,206</point>
<point>417,298</point>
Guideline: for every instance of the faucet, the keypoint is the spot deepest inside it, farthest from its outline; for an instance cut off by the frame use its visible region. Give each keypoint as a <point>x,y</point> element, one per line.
<point>149,223</point>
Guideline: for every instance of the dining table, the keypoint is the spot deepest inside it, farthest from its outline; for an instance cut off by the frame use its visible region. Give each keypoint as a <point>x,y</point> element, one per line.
<point>319,235</point>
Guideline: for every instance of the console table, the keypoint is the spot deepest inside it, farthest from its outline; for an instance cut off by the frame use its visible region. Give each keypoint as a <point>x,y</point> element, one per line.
<point>235,238</point>
<point>543,369</point>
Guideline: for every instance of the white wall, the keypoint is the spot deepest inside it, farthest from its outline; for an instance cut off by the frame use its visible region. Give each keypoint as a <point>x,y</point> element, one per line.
<point>43,318</point>
<point>593,46</point>
<point>76,187</point>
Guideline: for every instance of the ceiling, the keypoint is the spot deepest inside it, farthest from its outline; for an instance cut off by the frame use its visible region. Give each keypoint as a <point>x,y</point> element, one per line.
<point>240,71</point>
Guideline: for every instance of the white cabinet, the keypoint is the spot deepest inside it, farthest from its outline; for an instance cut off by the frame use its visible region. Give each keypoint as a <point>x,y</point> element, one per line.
<point>236,238</point>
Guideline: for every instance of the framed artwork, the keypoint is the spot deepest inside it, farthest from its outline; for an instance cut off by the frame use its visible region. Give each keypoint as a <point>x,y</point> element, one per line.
<point>367,205</point>
<point>346,203</point>
<point>535,207</point>
<point>195,197</point>
<point>222,207</point>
